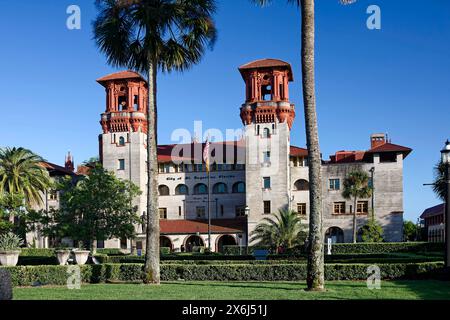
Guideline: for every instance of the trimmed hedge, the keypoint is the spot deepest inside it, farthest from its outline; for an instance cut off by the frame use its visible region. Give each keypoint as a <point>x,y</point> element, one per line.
<point>37,252</point>
<point>111,252</point>
<point>385,247</point>
<point>57,275</point>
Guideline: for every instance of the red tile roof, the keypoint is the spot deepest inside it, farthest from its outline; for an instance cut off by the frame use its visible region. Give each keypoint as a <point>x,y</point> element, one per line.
<point>54,169</point>
<point>298,152</point>
<point>433,211</point>
<point>267,63</point>
<point>201,226</point>
<point>390,147</point>
<point>120,75</point>
<point>196,151</point>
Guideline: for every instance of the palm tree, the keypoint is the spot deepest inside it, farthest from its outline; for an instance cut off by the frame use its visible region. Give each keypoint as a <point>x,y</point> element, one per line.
<point>283,229</point>
<point>440,185</point>
<point>356,186</point>
<point>22,176</point>
<point>147,36</point>
<point>315,277</point>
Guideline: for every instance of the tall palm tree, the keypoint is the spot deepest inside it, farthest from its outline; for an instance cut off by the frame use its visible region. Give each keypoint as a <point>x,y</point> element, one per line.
<point>147,36</point>
<point>356,186</point>
<point>440,185</point>
<point>283,229</point>
<point>23,176</point>
<point>315,277</point>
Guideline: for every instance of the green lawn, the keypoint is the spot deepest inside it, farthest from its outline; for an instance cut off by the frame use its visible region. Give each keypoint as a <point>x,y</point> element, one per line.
<point>240,291</point>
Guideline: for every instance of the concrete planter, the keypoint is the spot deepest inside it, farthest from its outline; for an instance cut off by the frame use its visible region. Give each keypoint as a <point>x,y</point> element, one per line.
<point>81,256</point>
<point>9,258</point>
<point>63,256</point>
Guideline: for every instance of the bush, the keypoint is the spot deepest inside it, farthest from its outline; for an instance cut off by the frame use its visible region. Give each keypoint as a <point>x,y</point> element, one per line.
<point>37,252</point>
<point>165,250</point>
<point>111,252</point>
<point>385,247</point>
<point>57,275</point>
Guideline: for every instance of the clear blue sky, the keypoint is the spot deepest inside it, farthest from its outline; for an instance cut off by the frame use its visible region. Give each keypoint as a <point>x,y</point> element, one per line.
<point>396,80</point>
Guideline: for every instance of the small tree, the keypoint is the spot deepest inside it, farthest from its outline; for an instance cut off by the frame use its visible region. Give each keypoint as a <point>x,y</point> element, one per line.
<point>356,186</point>
<point>372,231</point>
<point>410,230</point>
<point>98,207</point>
<point>283,229</point>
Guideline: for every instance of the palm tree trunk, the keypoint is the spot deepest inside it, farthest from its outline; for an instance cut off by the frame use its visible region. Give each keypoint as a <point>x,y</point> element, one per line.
<point>151,267</point>
<point>354,220</point>
<point>315,277</point>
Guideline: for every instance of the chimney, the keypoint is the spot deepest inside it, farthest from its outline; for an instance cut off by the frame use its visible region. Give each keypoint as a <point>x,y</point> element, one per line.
<point>377,139</point>
<point>69,165</point>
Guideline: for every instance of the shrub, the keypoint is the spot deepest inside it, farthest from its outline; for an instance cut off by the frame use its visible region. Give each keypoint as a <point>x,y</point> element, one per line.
<point>37,252</point>
<point>10,242</point>
<point>57,275</point>
<point>110,252</point>
<point>165,250</point>
<point>385,247</point>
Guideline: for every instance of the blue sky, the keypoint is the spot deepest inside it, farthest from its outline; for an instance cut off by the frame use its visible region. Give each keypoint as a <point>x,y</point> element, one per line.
<point>393,80</point>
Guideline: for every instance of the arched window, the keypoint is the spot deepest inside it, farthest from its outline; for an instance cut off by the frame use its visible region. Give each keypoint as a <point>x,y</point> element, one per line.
<point>121,141</point>
<point>220,188</point>
<point>239,187</point>
<point>181,189</point>
<point>163,190</point>
<point>266,133</point>
<point>200,188</point>
<point>301,185</point>
<point>336,234</point>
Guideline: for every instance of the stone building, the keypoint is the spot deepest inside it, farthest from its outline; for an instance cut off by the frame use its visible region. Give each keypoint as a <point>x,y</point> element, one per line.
<point>251,177</point>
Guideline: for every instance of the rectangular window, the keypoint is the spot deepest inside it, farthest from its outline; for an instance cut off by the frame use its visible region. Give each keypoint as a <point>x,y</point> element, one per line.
<point>301,209</point>
<point>222,210</point>
<point>179,211</point>
<point>339,208</point>
<point>167,168</point>
<point>121,164</point>
<point>161,168</point>
<point>240,211</point>
<point>163,213</point>
<point>362,207</point>
<point>335,184</point>
<point>266,182</point>
<point>53,195</point>
<point>267,209</point>
<point>201,212</point>
<point>266,156</point>
<point>370,183</point>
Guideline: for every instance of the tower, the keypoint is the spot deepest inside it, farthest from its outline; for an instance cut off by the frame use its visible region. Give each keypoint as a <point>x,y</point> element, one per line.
<point>69,164</point>
<point>267,115</point>
<point>122,145</point>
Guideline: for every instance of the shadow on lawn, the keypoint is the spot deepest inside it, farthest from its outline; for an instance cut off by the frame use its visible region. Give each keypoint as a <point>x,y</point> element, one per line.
<point>285,286</point>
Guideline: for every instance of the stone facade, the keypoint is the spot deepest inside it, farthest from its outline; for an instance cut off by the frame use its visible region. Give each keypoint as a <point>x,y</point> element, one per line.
<point>264,174</point>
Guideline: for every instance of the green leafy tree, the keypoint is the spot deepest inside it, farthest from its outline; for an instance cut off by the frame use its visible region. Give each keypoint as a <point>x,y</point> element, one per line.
<point>410,231</point>
<point>315,277</point>
<point>98,207</point>
<point>283,229</point>
<point>147,36</point>
<point>371,231</point>
<point>23,175</point>
<point>356,186</point>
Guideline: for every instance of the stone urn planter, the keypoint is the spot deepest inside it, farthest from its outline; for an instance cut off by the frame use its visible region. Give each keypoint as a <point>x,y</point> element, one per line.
<point>9,249</point>
<point>63,256</point>
<point>9,258</point>
<point>81,256</point>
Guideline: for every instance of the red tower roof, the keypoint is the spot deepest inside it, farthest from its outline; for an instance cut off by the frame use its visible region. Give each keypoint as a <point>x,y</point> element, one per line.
<point>120,75</point>
<point>267,63</point>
